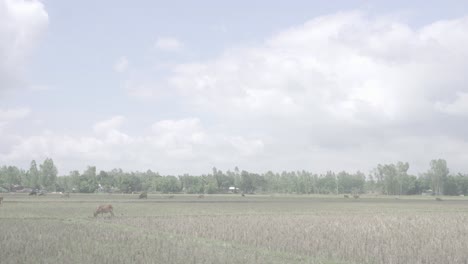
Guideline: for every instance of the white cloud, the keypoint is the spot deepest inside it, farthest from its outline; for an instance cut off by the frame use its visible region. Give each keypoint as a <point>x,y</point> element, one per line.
<point>21,25</point>
<point>13,114</point>
<point>171,146</point>
<point>121,65</point>
<point>339,82</point>
<point>168,44</point>
<point>108,125</point>
<point>344,91</point>
<point>457,107</point>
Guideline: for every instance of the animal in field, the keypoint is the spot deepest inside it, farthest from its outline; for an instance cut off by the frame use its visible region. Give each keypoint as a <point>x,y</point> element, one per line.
<point>346,196</point>
<point>356,196</point>
<point>201,196</point>
<point>33,192</point>
<point>103,209</point>
<point>65,195</point>
<point>439,199</point>
<point>243,194</point>
<point>143,195</point>
<point>1,200</point>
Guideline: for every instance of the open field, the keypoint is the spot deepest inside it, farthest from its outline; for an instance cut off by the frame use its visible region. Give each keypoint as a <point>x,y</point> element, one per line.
<point>233,229</point>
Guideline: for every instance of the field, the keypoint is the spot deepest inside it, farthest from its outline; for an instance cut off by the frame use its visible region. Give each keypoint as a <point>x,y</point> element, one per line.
<point>233,229</point>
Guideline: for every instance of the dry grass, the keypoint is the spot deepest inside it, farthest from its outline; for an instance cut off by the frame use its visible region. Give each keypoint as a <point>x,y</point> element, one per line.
<point>228,229</point>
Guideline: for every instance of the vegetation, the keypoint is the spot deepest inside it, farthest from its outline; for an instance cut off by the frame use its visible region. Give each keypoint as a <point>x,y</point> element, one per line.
<point>233,229</point>
<point>391,179</point>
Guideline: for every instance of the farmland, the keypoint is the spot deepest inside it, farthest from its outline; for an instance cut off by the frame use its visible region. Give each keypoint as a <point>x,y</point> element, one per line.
<point>233,229</point>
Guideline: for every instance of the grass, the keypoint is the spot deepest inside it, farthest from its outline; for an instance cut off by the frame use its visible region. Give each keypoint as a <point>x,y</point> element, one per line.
<point>233,229</point>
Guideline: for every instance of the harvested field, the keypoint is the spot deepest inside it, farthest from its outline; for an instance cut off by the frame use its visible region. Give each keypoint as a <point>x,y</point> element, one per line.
<point>233,229</point>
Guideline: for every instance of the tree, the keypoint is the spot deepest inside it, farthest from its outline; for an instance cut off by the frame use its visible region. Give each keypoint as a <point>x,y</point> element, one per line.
<point>450,186</point>
<point>327,184</point>
<point>88,180</point>
<point>34,175</point>
<point>170,184</point>
<point>438,174</point>
<point>391,177</point>
<point>48,174</point>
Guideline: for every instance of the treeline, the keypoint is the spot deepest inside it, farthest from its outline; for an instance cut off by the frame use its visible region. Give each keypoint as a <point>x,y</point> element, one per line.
<point>391,179</point>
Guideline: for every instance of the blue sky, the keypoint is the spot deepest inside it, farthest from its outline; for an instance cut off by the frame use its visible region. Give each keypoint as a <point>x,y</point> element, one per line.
<point>187,85</point>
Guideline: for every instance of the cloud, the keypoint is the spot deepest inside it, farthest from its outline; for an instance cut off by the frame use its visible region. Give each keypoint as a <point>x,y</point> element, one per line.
<point>168,44</point>
<point>457,107</point>
<point>21,25</point>
<point>340,92</point>
<point>169,146</point>
<point>13,114</point>
<point>338,82</point>
<point>108,125</point>
<point>121,65</point>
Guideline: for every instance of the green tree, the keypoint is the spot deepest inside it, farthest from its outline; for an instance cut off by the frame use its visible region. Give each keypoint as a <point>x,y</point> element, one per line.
<point>48,173</point>
<point>438,174</point>
<point>327,184</point>
<point>34,175</point>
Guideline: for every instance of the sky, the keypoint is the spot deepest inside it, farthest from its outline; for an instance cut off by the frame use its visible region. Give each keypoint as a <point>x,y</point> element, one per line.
<point>184,86</point>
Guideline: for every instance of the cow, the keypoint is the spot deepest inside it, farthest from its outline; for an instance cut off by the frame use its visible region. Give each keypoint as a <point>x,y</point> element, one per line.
<point>243,194</point>
<point>1,200</point>
<point>102,209</point>
<point>143,195</point>
<point>346,196</point>
<point>33,192</point>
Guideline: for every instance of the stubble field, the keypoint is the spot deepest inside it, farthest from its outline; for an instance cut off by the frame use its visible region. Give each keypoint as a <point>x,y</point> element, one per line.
<point>233,229</point>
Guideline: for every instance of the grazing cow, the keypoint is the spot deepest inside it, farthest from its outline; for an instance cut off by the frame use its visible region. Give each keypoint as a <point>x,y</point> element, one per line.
<point>201,196</point>
<point>102,209</point>
<point>33,192</point>
<point>1,200</point>
<point>346,196</point>
<point>143,195</point>
<point>243,194</point>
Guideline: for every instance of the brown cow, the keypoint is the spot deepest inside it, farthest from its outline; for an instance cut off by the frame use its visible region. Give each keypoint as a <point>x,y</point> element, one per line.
<point>102,209</point>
